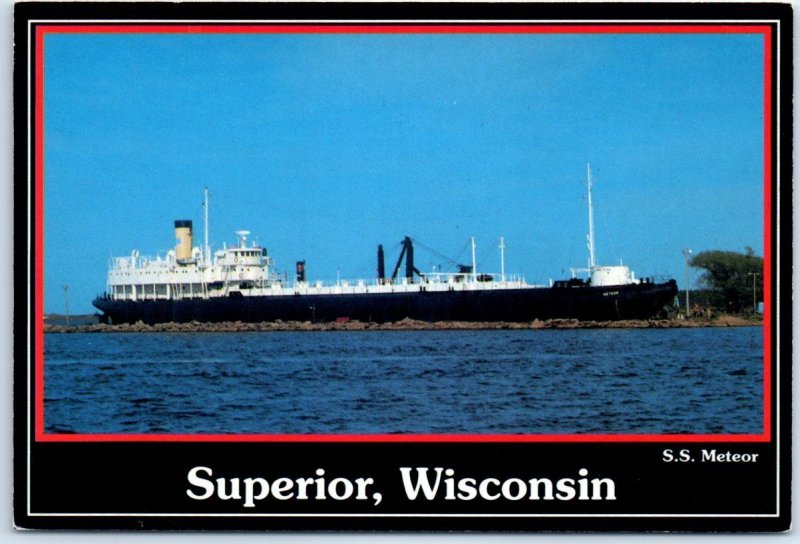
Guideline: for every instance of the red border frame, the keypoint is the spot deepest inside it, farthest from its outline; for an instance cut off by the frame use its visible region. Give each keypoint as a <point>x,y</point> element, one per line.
<point>38,352</point>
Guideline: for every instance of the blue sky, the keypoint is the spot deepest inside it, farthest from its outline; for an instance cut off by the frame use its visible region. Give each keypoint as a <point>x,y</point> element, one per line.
<point>326,145</point>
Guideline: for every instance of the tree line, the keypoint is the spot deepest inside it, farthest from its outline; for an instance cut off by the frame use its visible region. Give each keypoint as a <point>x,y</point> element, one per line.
<point>729,279</point>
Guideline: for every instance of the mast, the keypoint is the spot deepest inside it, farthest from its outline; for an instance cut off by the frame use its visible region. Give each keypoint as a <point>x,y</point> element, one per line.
<point>502,261</point>
<point>206,248</point>
<point>474,271</point>
<point>591,216</point>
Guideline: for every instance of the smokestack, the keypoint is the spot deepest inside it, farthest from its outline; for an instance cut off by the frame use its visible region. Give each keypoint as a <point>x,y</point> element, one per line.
<point>301,271</point>
<point>381,266</point>
<point>183,240</point>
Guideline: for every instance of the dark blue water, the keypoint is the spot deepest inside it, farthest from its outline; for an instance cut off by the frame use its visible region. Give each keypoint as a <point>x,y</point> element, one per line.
<point>531,382</point>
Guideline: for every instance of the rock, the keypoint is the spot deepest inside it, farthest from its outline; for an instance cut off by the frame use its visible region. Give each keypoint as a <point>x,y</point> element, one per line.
<point>408,324</point>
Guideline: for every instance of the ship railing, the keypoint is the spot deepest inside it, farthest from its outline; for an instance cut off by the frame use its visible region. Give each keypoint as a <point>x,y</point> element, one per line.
<point>146,261</point>
<point>479,277</point>
<point>430,278</point>
<point>342,287</point>
<point>656,278</point>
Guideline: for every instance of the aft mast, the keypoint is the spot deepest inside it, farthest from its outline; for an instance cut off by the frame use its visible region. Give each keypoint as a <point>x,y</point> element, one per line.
<point>474,271</point>
<point>591,217</point>
<point>206,247</point>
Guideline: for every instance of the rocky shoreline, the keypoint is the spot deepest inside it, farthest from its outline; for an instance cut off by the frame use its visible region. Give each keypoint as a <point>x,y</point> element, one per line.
<point>409,325</point>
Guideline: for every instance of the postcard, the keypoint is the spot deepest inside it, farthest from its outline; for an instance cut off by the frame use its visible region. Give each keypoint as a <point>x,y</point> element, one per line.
<point>403,267</point>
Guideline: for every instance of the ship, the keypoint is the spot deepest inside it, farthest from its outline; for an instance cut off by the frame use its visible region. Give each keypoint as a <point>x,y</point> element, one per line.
<point>240,283</point>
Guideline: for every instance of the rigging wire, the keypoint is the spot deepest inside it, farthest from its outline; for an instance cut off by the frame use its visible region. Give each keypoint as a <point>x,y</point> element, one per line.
<point>488,252</point>
<point>392,252</point>
<point>417,243</point>
<point>450,261</point>
<point>370,265</point>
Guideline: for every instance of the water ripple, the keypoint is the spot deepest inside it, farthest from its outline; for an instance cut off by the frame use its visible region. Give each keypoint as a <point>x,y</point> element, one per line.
<point>516,382</point>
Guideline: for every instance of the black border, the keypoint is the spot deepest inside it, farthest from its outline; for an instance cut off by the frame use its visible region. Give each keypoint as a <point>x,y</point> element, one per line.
<point>58,470</point>
<point>402,11</point>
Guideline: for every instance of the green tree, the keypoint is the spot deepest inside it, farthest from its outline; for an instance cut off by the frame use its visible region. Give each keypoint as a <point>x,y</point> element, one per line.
<point>731,276</point>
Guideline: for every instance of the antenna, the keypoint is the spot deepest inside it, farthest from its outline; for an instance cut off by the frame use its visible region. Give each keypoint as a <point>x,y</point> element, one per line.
<point>206,247</point>
<point>591,216</point>
<point>243,234</point>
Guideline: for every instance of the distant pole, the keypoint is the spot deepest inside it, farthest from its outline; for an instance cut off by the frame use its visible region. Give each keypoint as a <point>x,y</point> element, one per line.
<point>686,253</point>
<point>66,303</point>
<point>755,304</point>
<point>755,307</point>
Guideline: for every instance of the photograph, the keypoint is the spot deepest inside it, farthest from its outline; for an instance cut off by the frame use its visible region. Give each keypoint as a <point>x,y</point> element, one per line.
<point>223,183</point>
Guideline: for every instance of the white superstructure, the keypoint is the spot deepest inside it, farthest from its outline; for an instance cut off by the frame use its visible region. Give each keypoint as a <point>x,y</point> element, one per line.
<point>139,278</point>
<point>247,270</point>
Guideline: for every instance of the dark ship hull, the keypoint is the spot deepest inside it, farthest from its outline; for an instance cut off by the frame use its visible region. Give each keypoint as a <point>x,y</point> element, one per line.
<point>564,300</point>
